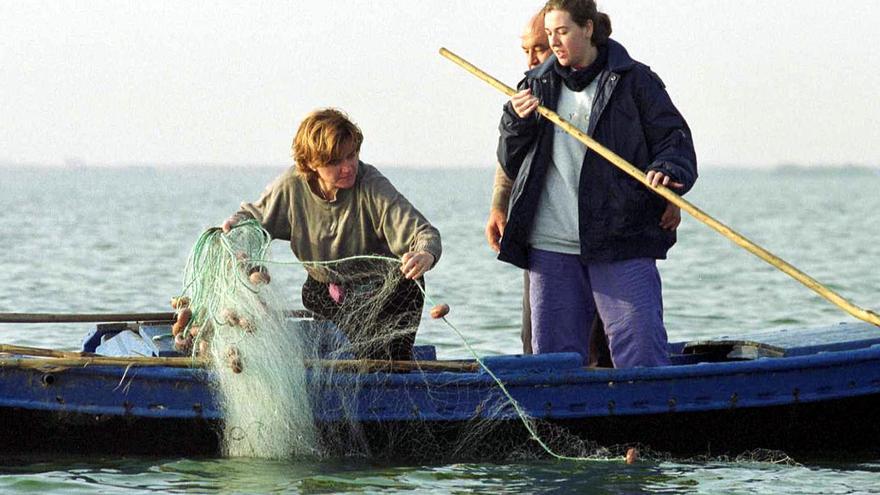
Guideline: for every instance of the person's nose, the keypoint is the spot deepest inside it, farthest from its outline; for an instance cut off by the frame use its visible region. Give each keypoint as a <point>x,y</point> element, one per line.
<point>533,59</point>
<point>554,40</point>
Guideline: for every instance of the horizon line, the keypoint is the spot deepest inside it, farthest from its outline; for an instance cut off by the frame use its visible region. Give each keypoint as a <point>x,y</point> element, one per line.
<point>81,164</point>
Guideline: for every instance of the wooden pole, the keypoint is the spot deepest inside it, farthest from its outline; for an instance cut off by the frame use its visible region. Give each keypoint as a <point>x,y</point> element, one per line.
<point>50,358</point>
<point>41,352</point>
<point>737,238</point>
<point>108,317</point>
<point>83,317</point>
<point>82,362</point>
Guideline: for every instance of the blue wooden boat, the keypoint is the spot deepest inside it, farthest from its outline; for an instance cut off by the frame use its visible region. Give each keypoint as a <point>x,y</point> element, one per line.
<point>802,391</point>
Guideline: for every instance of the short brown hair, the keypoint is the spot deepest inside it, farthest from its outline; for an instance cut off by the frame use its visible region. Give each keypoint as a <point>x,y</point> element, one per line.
<point>324,136</point>
<point>582,11</point>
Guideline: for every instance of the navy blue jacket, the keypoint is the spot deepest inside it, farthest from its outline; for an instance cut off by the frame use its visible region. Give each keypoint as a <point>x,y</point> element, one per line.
<point>633,116</point>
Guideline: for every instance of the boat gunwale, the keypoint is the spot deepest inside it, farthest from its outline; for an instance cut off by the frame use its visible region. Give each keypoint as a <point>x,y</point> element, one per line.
<point>543,375</point>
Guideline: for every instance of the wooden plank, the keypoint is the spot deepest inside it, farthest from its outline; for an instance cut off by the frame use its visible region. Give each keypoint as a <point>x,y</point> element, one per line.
<point>109,317</point>
<point>45,358</point>
<point>83,317</point>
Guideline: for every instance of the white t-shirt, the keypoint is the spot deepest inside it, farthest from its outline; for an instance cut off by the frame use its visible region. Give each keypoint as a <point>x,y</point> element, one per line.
<point>556,221</point>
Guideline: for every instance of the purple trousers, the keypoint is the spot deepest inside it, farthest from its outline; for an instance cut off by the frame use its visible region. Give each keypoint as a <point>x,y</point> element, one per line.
<point>566,294</point>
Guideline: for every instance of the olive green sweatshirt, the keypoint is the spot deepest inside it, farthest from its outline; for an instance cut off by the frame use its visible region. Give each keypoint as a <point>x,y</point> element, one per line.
<point>370,218</point>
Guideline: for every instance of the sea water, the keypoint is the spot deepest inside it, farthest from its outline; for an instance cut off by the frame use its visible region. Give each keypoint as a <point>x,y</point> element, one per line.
<point>116,240</point>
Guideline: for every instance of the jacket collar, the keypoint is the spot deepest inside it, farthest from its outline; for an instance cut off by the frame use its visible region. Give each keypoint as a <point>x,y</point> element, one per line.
<point>618,58</point>
<point>618,61</point>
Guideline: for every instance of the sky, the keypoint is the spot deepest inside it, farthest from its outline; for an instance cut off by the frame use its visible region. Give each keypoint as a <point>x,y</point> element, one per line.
<point>761,83</point>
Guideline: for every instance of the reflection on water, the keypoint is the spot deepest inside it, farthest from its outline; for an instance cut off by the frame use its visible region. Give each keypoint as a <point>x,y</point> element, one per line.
<point>126,476</point>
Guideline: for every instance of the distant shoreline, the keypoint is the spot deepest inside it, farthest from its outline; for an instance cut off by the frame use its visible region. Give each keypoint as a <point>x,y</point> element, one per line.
<point>79,165</point>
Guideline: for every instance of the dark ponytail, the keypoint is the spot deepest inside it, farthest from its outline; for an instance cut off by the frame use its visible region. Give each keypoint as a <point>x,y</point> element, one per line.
<point>582,11</point>
<point>601,29</point>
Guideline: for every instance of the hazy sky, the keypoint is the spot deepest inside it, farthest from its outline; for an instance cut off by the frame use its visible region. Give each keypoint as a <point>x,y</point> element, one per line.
<point>760,82</point>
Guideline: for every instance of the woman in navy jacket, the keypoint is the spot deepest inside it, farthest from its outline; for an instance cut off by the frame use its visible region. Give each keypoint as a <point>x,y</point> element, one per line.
<point>588,233</point>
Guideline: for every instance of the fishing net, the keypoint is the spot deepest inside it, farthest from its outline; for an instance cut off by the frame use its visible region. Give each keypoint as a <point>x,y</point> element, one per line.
<point>300,385</point>
<point>237,321</point>
<point>273,370</point>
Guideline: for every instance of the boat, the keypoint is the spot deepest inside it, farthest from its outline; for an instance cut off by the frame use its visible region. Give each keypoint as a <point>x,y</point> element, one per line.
<point>808,391</point>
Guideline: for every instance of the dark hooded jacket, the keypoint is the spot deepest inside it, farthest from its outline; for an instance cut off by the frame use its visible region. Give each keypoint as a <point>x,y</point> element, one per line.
<point>633,116</point>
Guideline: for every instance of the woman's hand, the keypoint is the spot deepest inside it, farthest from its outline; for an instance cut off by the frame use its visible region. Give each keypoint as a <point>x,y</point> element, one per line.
<point>656,178</point>
<point>671,217</point>
<point>495,228</point>
<point>524,103</point>
<point>231,222</point>
<point>672,214</point>
<point>415,264</point>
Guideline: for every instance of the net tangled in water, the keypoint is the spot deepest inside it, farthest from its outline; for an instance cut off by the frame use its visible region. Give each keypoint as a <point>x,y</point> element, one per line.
<point>237,320</point>
<point>290,386</point>
<point>273,371</point>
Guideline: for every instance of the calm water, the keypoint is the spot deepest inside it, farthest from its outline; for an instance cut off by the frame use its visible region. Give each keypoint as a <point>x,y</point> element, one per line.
<point>94,240</point>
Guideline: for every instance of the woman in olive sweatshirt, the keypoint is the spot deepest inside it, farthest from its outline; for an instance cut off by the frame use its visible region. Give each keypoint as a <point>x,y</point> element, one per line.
<point>331,206</point>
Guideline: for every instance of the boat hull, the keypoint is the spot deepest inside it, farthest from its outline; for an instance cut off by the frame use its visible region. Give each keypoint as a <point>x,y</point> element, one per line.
<point>827,429</point>
<point>810,398</point>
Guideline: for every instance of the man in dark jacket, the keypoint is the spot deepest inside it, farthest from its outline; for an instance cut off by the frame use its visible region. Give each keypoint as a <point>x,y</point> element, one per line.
<point>588,233</point>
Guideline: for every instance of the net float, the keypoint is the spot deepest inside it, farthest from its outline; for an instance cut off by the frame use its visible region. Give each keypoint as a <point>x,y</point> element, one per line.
<point>179,302</point>
<point>183,317</point>
<point>259,276</point>
<point>632,455</point>
<point>180,341</point>
<point>246,325</point>
<point>439,311</point>
<point>233,359</point>
<point>229,317</point>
